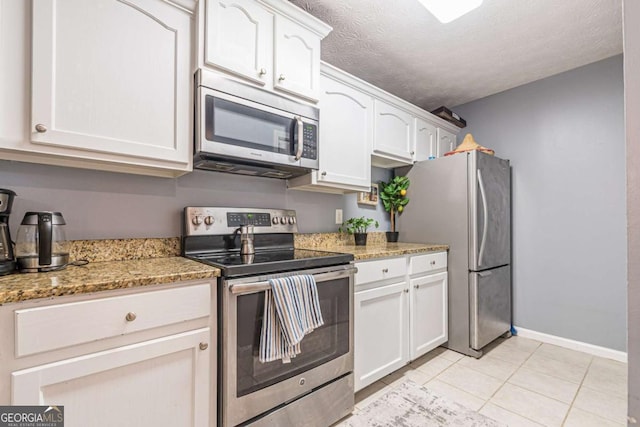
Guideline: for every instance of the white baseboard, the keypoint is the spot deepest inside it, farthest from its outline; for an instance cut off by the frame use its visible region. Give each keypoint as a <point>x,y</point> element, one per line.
<point>595,350</point>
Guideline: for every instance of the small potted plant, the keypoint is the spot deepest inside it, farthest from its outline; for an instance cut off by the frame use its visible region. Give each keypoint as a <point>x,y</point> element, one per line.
<point>394,199</point>
<point>358,227</point>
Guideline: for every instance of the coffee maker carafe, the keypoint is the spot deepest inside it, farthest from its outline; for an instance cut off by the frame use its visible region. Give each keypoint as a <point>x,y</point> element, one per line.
<point>7,261</point>
<point>41,244</point>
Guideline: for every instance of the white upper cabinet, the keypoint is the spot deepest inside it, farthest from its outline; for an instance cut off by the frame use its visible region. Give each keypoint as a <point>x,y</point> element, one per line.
<point>446,142</point>
<point>239,38</point>
<point>394,135</point>
<point>111,82</point>
<point>271,43</point>
<point>296,59</point>
<point>346,134</point>
<point>426,140</point>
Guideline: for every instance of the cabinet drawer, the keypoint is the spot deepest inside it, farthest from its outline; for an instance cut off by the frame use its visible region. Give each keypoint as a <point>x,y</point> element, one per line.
<point>371,271</point>
<point>57,326</point>
<point>427,262</point>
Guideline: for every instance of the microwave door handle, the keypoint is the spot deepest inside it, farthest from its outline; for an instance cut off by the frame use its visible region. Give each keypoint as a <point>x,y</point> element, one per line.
<point>299,131</point>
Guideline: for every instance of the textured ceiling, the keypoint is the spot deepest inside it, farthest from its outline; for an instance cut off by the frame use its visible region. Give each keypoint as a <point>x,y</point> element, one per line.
<point>400,47</point>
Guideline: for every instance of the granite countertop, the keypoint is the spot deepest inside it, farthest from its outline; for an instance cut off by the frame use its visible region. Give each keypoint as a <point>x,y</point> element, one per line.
<point>101,276</point>
<point>377,246</point>
<point>384,250</point>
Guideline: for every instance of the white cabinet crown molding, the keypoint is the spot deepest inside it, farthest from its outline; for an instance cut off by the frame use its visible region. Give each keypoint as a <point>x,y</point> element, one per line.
<point>299,16</point>
<point>359,84</point>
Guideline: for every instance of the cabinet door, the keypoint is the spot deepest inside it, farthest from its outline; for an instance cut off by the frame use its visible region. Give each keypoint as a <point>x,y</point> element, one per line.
<point>238,38</point>
<point>345,135</point>
<point>393,132</point>
<point>112,78</point>
<point>426,138</point>
<point>446,142</point>
<point>162,382</point>
<point>428,313</point>
<point>15,64</point>
<point>296,59</point>
<point>381,332</point>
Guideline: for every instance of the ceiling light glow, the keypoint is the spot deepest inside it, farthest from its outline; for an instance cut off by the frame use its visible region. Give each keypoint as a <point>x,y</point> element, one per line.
<point>448,10</point>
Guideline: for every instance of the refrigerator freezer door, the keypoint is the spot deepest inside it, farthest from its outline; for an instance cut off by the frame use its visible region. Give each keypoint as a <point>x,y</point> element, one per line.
<point>489,211</point>
<point>490,304</point>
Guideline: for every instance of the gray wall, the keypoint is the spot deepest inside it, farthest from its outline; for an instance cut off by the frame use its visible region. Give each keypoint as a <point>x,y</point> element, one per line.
<point>105,205</point>
<point>353,209</point>
<point>564,136</point>
<point>99,205</point>
<point>632,105</point>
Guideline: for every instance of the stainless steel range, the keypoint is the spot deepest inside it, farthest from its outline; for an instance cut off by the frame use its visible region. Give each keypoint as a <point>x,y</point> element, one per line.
<point>251,246</point>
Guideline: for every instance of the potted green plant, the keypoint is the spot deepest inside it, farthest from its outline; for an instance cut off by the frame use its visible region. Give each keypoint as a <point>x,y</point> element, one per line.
<point>394,199</point>
<point>358,227</point>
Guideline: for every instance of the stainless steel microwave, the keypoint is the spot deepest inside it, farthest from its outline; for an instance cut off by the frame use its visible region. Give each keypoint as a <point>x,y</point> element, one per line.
<point>246,130</point>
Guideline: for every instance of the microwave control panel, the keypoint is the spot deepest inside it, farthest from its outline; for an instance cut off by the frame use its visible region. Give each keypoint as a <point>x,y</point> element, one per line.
<point>310,141</point>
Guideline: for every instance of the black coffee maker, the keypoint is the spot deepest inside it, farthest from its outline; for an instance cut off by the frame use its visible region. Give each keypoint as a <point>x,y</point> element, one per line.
<point>7,260</point>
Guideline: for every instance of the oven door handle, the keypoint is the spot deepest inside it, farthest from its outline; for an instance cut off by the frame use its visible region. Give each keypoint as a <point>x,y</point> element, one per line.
<point>249,288</point>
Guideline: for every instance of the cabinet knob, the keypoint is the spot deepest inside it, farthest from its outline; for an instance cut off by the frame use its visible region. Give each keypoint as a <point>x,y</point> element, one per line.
<point>416,286</point>
<point>406,291</point>
<point>40,128</point>
<point>413,152</point>
<point>324,173</point>
<point>204,346</point>
<point>433,263</point>
<point>263,71</point>
<point>131,316</point>
<point>385,270</point>
<point>281,78</point>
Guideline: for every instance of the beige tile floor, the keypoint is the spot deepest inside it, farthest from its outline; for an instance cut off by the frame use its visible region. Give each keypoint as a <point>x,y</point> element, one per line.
<point>521,382</point>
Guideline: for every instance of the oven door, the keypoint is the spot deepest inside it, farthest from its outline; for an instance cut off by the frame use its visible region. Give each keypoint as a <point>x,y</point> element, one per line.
<point>249,388</point>
<point>237,127</point>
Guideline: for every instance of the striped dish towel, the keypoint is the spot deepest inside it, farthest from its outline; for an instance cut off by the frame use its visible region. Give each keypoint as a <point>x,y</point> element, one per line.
<point>291,310</point>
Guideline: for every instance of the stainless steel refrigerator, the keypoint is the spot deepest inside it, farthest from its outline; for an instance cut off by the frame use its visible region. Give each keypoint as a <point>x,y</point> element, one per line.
<point>464,200</point>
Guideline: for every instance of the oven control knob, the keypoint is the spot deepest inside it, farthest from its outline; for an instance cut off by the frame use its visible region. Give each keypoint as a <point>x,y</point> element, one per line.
<point>275,220</point>
<point>283,220</point>
<point>209,220</point>
<point>292,220</point>
<point>196,220</point>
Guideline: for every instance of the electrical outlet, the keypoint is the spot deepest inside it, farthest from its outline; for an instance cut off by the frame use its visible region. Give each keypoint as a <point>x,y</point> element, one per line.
<point>338,216</point>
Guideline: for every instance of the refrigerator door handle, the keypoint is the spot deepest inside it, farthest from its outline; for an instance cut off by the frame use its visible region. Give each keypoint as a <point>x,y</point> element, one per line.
<point>485,224</point>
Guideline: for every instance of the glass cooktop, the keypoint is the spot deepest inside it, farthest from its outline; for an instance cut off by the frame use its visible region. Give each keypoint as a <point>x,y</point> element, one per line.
<point>272,261</point>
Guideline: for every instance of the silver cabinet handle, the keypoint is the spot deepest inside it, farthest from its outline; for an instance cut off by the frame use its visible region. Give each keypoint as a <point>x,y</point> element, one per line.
<point>263,72</point>
<point>204,346</point>
<point>385,270</point>
<point>281,78</point>
<point>40,128</point>
<point>131,316</point>
<point>300,137</point>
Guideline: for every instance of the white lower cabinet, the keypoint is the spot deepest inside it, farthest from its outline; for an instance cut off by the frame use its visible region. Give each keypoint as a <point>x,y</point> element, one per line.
<point>428,313</point>
<point>399,315</point>
<point>380,339</point>
<point>158,382</point>
<point>128,357</point>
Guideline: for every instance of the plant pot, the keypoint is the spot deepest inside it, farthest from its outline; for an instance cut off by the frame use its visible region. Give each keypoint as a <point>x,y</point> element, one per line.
<point>361,239</point>
<point>392,236</point>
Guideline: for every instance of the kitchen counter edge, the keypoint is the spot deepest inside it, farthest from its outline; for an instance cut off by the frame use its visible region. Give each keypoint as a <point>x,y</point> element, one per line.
<point>386,250</point>
<point>101,276</point>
